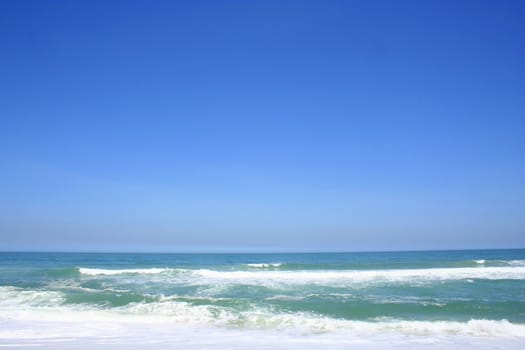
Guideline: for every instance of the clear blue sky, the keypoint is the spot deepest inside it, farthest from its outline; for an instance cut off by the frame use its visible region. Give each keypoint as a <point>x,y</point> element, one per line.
<point>262,125</point>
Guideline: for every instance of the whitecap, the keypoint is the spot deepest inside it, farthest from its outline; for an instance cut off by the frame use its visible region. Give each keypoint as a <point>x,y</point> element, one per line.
<point>264,265</point>
<point>350,277</point>
<point>93,272</point>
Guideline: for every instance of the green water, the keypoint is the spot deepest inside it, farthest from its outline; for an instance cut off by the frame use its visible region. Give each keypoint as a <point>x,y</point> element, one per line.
<point>231,288</point>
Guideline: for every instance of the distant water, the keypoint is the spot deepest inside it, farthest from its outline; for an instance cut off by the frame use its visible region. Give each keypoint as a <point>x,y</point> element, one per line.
<point>479,294</point>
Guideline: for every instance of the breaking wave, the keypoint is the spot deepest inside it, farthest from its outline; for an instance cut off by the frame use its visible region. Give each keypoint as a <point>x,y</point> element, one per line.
<point>94,272</point>
<point>265,277</point>
<point>47,306</point>
<point>264,265</point>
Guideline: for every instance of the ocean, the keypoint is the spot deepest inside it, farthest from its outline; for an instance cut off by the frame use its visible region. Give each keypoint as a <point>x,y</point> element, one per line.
<point>431,299</point>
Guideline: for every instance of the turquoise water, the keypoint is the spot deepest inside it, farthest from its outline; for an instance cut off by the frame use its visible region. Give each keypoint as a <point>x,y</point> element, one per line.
<point>316,291</point>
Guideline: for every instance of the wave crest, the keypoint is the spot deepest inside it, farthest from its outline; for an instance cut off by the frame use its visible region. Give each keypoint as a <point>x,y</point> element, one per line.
<point>264,265</point>
<point>258,318</point>
<point>94,272</point>
<point>360,276</point>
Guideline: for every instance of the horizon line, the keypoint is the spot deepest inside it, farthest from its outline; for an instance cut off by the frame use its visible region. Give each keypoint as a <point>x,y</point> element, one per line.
<point>253,252</point>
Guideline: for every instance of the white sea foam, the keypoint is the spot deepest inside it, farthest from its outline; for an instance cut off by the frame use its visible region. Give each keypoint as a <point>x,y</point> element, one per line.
<point>30,318</point>
<point>516,262</point>
<point>11,297</point>
<point>359,276</point>
<point>334,277</point>
<point>125,334</point>
<point>184,314</point>
<point>480,261</point>
<point>264,265</point>
<point>286,297</point>
<point>90,271</point>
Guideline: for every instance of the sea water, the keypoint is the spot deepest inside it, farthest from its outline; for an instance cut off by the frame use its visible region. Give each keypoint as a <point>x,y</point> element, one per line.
<point>436,299</point>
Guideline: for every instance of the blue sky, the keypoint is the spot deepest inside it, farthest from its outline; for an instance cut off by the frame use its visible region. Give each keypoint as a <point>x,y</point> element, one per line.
<point>262,125</point>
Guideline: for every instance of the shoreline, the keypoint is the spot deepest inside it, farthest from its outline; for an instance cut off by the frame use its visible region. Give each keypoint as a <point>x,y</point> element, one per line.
<point>134,333</point>
<point>113,335</point>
